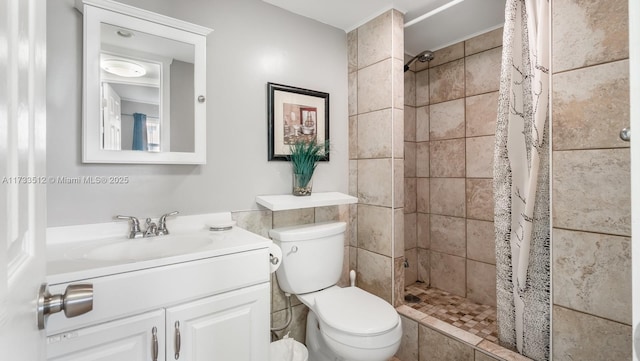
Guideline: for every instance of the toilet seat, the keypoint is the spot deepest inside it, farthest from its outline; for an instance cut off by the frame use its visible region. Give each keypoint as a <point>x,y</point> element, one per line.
<point>353,314</point>
<point>355,324</point>
<point>354,311</point>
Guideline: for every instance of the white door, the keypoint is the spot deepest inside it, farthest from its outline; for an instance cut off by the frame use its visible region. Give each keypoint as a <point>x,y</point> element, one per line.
<point>22,174</point>
<point>634,124</point>
<point>111,118</point>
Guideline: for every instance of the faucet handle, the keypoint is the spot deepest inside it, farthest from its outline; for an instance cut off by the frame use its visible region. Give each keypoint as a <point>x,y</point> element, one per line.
<point>135,231</point>
<point>164,216</point>
<point>134,220</point>
<point>162,223</point>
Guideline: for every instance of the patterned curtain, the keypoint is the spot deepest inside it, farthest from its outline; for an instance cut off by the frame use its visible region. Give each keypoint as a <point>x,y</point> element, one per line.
<point>521,181</point>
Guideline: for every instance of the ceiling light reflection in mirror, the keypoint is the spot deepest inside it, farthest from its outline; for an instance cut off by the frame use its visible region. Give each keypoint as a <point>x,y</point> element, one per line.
<point>124,68</point>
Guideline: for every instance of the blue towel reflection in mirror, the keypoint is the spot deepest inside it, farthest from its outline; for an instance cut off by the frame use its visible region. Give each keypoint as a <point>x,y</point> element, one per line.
<point>139,131</point>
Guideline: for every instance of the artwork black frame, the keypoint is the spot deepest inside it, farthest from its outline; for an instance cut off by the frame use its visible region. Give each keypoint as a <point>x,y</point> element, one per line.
<point>300,98</point>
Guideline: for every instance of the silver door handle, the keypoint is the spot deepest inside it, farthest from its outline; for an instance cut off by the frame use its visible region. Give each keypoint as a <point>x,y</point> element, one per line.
<point>76,300</point>
<point>625,134</point>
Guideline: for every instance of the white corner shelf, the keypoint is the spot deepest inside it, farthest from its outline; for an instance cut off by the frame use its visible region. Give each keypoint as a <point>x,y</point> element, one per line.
<point>282,202</point>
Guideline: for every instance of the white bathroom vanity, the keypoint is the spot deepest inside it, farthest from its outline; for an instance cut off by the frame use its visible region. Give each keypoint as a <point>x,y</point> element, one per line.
<point>208,301</point>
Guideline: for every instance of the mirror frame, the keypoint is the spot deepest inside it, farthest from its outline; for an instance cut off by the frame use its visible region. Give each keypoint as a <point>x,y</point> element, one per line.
<point>107,11</point>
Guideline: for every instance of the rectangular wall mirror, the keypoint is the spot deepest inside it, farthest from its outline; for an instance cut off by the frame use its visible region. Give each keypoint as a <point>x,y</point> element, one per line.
<point>144,90</point>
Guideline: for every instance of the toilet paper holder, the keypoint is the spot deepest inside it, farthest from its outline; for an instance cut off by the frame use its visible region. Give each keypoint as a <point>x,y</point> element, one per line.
<point>275,257</point>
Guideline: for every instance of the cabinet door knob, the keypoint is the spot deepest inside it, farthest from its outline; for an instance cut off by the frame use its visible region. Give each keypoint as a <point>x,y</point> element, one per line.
<point>177,340</point>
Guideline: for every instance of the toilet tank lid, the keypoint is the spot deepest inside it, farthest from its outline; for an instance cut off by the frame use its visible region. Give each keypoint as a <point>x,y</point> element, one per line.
<point>308,231</point>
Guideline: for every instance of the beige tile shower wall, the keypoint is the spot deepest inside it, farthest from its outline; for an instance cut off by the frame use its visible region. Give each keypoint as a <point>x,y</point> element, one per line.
<point>377,167</point>
<point>591,181</point>
<point>260,222</point>
<point>455,106</point>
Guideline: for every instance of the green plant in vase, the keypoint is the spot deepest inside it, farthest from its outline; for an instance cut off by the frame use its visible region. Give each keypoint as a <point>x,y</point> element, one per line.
<point>304,160</point>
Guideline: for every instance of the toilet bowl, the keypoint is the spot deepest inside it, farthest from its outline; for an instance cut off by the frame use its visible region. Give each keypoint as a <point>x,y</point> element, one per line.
<point>343,324</point>
<point>352,324</point>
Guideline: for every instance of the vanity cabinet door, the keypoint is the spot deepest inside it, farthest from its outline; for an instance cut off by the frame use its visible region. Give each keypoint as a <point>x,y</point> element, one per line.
<point>230,326</point>
<point>129,339</point>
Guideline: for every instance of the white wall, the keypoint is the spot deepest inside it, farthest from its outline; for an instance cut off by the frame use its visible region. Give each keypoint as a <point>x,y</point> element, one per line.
<point>252,43</point>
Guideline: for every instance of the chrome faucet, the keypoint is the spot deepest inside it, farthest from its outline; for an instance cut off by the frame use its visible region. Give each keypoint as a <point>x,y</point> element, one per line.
<point>162,223</point>
<point>152,229</point>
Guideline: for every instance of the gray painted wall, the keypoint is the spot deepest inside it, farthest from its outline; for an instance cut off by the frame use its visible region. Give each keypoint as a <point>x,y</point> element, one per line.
<point>252,43</point>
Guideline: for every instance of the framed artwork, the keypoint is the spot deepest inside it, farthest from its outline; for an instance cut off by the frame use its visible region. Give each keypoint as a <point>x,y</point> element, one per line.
<point>294,115</point>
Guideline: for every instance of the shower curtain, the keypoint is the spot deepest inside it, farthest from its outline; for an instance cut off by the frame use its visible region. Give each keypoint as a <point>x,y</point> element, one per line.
<point>521,181</point>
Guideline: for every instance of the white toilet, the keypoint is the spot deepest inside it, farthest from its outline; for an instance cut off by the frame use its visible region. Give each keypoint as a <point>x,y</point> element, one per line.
<point>343,324</point>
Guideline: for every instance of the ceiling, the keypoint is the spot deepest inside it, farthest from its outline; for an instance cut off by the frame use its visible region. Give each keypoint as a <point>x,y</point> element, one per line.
<point>429,24</point>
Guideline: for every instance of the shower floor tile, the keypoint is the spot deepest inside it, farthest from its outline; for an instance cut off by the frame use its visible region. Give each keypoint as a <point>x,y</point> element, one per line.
<point>458,311</point>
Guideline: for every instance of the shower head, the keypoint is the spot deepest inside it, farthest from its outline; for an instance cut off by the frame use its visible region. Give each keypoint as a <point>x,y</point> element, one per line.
<point>423,57</point>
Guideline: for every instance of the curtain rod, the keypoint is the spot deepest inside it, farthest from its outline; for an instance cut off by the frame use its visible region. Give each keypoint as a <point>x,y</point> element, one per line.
<point>432,12</point>
<point>148,116</point>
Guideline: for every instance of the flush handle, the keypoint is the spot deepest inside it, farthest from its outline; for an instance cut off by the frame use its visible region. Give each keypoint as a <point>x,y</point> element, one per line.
<point>292,250</point>
<point>76,300</point>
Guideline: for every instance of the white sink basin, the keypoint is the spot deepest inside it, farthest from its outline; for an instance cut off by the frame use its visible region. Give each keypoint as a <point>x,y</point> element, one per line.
<point>142,248</point>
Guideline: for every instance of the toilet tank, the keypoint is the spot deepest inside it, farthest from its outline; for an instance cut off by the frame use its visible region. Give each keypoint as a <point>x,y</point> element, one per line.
<point>312,256</point>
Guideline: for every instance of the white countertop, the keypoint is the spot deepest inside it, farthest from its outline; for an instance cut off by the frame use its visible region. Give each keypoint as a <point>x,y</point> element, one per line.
<point>64,266</point>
